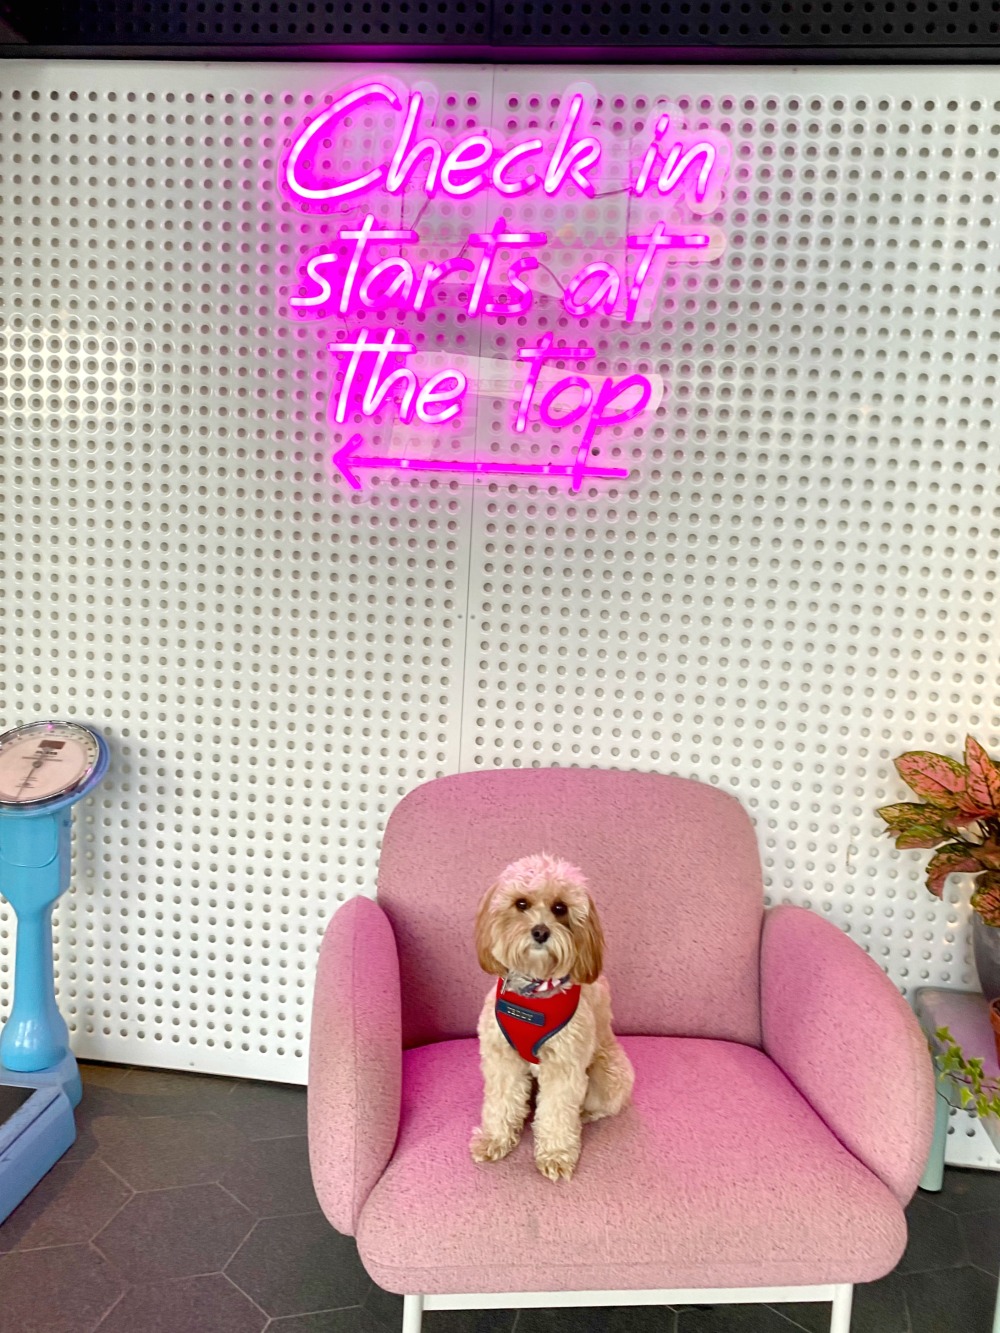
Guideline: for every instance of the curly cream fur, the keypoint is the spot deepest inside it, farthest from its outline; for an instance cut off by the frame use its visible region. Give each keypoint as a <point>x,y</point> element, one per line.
<point>583,1074</point>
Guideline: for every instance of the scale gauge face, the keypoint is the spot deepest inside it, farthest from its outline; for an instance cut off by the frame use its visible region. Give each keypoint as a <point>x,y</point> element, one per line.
<point>44,761</point>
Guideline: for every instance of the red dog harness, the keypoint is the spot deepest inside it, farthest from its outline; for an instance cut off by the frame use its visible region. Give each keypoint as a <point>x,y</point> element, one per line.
<point>529,1020</point>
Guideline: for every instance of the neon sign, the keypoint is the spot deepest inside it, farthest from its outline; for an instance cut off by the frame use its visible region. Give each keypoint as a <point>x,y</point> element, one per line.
<point>490,274</point>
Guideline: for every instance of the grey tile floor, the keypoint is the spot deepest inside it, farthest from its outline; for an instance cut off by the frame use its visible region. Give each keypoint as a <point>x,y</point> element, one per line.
<point>185,1206</point>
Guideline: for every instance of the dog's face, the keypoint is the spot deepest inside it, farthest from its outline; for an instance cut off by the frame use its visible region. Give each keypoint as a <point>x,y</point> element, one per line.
<point>539,920</point>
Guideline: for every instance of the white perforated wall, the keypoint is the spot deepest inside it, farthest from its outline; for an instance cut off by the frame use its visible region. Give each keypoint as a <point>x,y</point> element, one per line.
<point>795,583</point>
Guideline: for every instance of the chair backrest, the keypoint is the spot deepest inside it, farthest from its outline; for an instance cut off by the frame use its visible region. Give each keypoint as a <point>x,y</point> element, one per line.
<point>672,865</point>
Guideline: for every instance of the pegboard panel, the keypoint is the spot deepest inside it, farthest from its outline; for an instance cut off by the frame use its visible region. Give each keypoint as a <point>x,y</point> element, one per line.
<point>794,584</point>
<point>273,662</point>
<point>968,1144</point>
<point>797,583</point>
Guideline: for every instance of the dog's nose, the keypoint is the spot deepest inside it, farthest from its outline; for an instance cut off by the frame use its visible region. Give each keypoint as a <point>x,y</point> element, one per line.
<point>540,934</point>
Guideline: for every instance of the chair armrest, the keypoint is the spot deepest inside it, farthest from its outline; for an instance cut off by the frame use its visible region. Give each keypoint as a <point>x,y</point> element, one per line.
<point>842,1033</point>
<point>355,1060</point>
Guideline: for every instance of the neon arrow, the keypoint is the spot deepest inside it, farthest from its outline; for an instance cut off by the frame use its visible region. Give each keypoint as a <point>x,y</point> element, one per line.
<point>347,458</point>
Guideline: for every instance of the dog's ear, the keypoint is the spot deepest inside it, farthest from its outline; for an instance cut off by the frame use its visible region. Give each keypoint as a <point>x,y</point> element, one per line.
<point>484,934</point>
<point>589,947</point>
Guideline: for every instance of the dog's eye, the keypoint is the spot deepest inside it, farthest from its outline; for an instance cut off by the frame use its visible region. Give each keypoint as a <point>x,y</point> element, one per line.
<point>522,904</point>
<point>559,909</point>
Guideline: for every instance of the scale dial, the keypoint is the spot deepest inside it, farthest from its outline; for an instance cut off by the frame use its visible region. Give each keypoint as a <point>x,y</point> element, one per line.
<point>44,761</point>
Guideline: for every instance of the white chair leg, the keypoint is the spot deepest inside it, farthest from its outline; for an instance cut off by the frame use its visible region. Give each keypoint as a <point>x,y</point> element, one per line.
<point>840,1321</point>
<point>933,1177</point>
<point>413,1313</point>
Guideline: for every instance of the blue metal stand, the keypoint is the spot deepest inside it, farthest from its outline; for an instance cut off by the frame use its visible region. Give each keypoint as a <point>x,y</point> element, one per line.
<point>34,1044</point>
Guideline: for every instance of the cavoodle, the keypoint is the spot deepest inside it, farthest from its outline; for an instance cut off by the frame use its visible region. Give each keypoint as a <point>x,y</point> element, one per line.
<point>549,1019</point>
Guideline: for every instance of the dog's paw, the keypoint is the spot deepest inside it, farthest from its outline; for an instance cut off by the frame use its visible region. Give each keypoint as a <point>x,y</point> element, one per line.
<point>485,1148</point>
<point>556,1165</point>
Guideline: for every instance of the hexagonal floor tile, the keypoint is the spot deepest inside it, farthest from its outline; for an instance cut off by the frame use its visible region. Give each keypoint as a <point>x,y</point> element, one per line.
<point>101,1076</point>
<point>935,1239</point>
<point>272,1177</point>
<point>175,1233</point>
<point>569,1319</point>
<point>352,1320</point>
<point>732,1319</point>
<point>161,1092</point>
<point>879,1307</point>
<point>949,1299</point>
<point>982,1239</point>
<point>61,1290</point>
<point>297,1265</point>
<point>69,1204</point>
<point>101,1097</point>
<point>266,1110</point>
<point>385,1307</point>
<point>965,1190</point>
<point>163,1151</point>
<point>185,1305</point>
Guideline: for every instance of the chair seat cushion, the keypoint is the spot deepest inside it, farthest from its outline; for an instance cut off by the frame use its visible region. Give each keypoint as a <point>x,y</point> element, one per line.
<point>718,1175</point>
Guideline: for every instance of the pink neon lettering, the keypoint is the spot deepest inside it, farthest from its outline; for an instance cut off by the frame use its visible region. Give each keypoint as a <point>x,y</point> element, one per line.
<point>378,388</point>
<point>642,180</point>
<point>405,158</point>
<point>607,396</point>
<point>470,154</point>
<point>347,458</point>
<point>546,406</point>
<point>512,189</point>
<point>525,264</point>
<point>677,163</point>
<point>490,242</point>
<point>313,130</point>
<point>536,357</point>
<point>379,383</point>
<point>468,166</point>
<point>434,273</point>
<point>566,157</point>
<point>355,351</point>
<point>697,165</point>
<point>658,239</point>
<point>603,297</point>
<point>401,282</point>
<point>433,392</point>
<point>361,236</point>
<point>312,271</point>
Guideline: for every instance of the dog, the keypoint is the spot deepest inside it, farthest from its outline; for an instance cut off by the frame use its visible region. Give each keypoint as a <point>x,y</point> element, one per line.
<point>549,1019</point>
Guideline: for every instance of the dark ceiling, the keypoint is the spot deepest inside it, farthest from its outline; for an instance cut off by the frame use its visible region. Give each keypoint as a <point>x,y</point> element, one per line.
<point>647,30</point>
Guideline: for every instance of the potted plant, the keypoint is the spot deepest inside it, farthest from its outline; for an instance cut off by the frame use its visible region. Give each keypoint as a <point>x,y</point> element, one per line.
<point>959,816</point>
<point>976,1091</point>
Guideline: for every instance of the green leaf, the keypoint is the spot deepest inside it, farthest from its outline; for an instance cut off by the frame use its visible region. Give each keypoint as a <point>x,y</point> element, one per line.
<point>965,1095</point>
<point>983,787</point>
<point>905,814</point>
<point>920,835</point>
<point>954,859</point>
<point>935,777</point>
<point>986,897</point>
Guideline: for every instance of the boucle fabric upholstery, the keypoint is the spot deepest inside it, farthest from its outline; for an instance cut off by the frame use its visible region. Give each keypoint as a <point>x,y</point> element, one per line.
<point>674,869</point>
<point>849,1042</point>
<point>355,1060</point>
<point>719,1175</point>
<point>735,1166</point>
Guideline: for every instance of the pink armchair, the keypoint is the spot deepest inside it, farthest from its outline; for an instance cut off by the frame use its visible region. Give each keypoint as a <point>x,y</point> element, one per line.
<point>784,1100</point>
